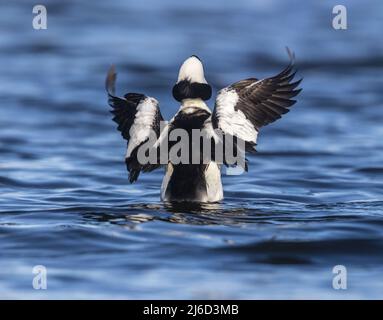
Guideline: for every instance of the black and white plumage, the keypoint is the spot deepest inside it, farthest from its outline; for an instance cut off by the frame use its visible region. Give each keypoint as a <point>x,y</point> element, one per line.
<point>137,116</point>
<point>241,109</point>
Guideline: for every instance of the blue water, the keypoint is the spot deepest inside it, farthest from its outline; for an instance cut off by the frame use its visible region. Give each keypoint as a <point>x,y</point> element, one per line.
<point>313,197</point>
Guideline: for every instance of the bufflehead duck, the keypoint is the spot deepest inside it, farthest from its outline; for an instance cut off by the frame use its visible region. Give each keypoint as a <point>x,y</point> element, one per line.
<point>240,110</point>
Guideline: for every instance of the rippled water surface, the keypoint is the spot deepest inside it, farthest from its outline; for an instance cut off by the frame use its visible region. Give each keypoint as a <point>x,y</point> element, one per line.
<point>313,197</point>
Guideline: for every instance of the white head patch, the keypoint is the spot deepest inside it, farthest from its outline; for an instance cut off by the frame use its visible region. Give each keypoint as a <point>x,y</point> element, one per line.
<point>192,69</point>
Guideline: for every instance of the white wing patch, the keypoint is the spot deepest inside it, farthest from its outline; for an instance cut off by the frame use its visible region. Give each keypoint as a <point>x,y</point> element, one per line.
<point>143,122</point>
<point>231,121</point>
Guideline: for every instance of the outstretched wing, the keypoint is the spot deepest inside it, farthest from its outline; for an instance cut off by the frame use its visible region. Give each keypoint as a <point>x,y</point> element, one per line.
<point>242,108</point>
<point>137,117</point>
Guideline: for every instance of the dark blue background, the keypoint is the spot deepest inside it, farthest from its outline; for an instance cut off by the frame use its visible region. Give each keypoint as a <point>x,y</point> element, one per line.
<point>312,198</point>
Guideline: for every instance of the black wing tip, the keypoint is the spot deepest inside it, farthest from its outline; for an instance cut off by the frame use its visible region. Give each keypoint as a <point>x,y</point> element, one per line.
<point>291,66</point>
<point>111,80</point>
<point>133,176</point>
<point>288,73</point>
<point>251,148</point>
<point>112,68</point>
<point>297,91</point>
<point>133,172</point>
<point>296,84</point>
<point>291,55</point>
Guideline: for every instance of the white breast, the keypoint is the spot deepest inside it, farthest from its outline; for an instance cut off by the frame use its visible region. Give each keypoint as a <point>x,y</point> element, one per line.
<point>213,183</point>
<point>165,181</point>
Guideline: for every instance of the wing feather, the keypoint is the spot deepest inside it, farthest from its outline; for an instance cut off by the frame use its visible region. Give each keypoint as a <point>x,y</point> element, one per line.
<point>136,115</point>
<point>242,108</point>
